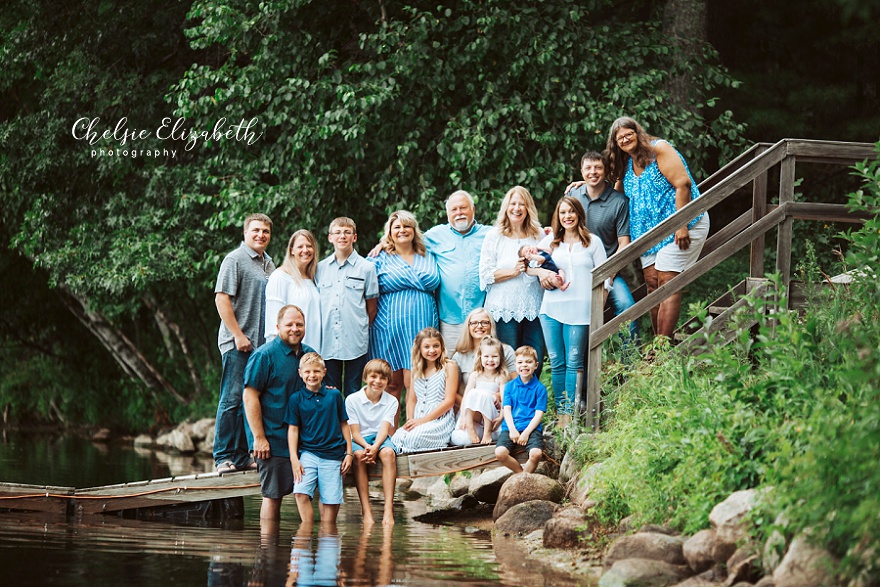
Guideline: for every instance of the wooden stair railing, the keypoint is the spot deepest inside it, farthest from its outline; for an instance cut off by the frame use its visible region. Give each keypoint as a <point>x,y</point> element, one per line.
<point>751,227</point>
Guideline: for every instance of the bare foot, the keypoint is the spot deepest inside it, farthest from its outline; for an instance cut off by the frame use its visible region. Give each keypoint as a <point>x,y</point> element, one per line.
<point>388,519</point>
<point>487,438</point>
<point>472,434</point>
<point>368,519</point>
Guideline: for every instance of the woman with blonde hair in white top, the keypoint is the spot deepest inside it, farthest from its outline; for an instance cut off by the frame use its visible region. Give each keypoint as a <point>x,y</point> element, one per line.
<point>294,283</point>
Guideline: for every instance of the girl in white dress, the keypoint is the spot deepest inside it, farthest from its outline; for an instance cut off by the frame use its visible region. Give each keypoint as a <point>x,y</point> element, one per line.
<point>429,401</point>
<point>479,418</point>
<point>294,283</point>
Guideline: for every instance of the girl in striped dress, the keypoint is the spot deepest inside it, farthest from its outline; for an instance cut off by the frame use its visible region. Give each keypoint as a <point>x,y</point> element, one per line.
<point>429,416</point>
<point>407,276</point>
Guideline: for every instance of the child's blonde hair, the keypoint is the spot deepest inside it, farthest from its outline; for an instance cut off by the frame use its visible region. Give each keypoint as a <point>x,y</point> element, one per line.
<point>379,367</point>
<point>312,359</point>
<point>487,343</point>
<point>527,351</point>
<point>419,363</point>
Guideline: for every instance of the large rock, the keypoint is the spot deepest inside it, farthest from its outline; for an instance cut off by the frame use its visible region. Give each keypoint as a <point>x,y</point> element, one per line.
<point>421,485</point>
<point>696,582</point>
<point>439,490</point>
<point>728,517</point>
<point>177,440</point>
<point>699,550</point>
<point>202,428</point>
<point>523,487</point>
<point>742,566</point>
<point>459,485</point>
<point>486,485</point>
<point>580,490</point>
<point>804,565</point>
<point>144,440</point>
<point>568,468</point>
<point>637,572</point>
<point>646,545</point>
<point>443,510</point>
<point>567,529</point>
<point>525,517</point>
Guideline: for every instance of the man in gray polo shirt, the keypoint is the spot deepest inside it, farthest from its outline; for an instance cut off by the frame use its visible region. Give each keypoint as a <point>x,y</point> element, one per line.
<point>607,216</point>
<point>240,297</point>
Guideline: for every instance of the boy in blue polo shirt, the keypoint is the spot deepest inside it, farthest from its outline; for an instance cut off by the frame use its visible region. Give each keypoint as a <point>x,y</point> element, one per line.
<point>319,441</point>
<point>524,404</point>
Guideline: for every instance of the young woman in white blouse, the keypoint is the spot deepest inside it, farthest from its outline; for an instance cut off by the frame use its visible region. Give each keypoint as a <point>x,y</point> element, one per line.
<point>294,283</point>
<point>513,293</point>
<point>565,314</point>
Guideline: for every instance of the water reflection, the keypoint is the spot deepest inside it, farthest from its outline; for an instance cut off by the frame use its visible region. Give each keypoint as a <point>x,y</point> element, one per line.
<point>99,551</point>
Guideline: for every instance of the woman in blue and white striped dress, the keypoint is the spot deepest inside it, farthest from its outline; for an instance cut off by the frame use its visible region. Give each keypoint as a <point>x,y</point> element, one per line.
<point>408,276</point>
<point>429,416</point>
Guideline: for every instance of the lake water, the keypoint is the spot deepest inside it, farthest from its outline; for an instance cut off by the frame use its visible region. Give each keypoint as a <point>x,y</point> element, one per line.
<point>96,551</point>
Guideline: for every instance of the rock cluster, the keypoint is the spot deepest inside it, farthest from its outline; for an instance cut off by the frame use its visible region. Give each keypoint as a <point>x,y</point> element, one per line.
<point>187,438</point>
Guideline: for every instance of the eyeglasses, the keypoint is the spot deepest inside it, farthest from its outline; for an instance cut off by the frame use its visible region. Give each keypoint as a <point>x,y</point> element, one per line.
<point>483,323</point>
<point>342,233</point>
<point>626,138</point>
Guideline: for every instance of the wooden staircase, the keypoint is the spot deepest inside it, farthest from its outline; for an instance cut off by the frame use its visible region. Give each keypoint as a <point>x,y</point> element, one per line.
<point>751,168</point>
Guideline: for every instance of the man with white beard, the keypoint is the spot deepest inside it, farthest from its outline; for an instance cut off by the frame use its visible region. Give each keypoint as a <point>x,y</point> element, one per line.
<point>456,247</point>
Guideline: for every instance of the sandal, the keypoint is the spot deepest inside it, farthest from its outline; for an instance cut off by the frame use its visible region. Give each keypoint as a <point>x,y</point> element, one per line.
<point>226,467</point>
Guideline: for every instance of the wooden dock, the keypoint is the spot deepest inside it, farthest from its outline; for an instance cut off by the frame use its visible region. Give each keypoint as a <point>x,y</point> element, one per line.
<point>189,490</point>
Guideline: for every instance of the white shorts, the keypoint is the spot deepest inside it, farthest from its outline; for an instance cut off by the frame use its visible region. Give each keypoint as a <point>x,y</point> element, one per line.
<point>672,258</point>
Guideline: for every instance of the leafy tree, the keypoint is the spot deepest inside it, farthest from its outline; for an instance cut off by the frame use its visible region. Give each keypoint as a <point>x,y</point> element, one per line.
<point>367,109</point>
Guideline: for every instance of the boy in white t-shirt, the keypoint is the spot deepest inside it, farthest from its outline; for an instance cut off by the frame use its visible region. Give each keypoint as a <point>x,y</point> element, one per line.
<point>371,419</point>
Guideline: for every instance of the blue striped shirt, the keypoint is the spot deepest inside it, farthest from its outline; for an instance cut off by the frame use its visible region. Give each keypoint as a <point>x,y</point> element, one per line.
<point>406,305</point>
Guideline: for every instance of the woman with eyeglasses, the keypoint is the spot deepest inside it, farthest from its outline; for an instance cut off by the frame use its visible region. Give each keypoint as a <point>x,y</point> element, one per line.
<point>478,325</point>
<point>294,283</point>
<point>658,183</point>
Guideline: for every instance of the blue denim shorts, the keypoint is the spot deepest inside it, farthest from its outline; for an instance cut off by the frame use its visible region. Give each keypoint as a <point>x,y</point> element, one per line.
<point>326,474</point>
<point>370,440</point>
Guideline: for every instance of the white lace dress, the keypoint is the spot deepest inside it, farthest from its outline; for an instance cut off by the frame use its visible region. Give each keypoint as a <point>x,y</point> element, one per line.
<point>515,299</point>
<point>479,399</point>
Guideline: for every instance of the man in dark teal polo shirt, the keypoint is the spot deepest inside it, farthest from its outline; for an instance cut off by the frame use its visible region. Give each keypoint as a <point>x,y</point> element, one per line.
<point>270,378</point>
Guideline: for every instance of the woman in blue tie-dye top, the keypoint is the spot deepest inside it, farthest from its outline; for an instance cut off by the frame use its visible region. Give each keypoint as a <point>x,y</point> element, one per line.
<point>658,183</point>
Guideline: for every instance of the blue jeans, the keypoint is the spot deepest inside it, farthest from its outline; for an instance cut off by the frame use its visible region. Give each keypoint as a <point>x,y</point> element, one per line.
<point>230,443</point>
<point>527,332</point>
<point>346,376</point>
<point>621,299</point>
<point>566,348</point>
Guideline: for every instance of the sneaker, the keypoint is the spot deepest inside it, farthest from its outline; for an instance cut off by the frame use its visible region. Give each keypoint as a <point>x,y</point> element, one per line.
<point>226,467</point>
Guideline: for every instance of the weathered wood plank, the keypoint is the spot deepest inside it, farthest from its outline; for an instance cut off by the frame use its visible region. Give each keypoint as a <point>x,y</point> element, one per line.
<point>815,151</point>
<point>827,212</point>
<point>720,322</point>
<point>34,498</point>
<point>759,210</point>
<point>784,232</point>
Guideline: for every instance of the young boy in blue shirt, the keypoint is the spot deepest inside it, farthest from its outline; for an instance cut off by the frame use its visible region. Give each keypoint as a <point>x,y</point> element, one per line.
<point>319,441</point>
<point>524,404</point>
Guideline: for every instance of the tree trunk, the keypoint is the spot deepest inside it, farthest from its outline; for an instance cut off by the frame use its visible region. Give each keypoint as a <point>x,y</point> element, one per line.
<point>126,353</point>
<point>685,25</point>
<point>168,327</point>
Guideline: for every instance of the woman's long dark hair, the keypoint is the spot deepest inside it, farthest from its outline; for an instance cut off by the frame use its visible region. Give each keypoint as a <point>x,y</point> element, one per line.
<point>617,158</point>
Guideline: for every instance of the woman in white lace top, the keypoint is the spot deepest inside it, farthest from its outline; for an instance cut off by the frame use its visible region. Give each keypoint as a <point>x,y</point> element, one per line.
<point>513,294</point>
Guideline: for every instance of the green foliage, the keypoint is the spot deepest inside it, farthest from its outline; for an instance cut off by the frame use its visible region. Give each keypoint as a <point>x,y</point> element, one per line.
<point>797,409</point>
<point>480,96</point>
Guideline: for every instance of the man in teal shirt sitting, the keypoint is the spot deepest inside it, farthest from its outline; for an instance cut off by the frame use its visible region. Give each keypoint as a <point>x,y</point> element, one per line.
<point>456,247</point>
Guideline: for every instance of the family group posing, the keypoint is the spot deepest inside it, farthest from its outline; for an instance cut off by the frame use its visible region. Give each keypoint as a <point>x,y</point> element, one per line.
<point>438,314</point>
